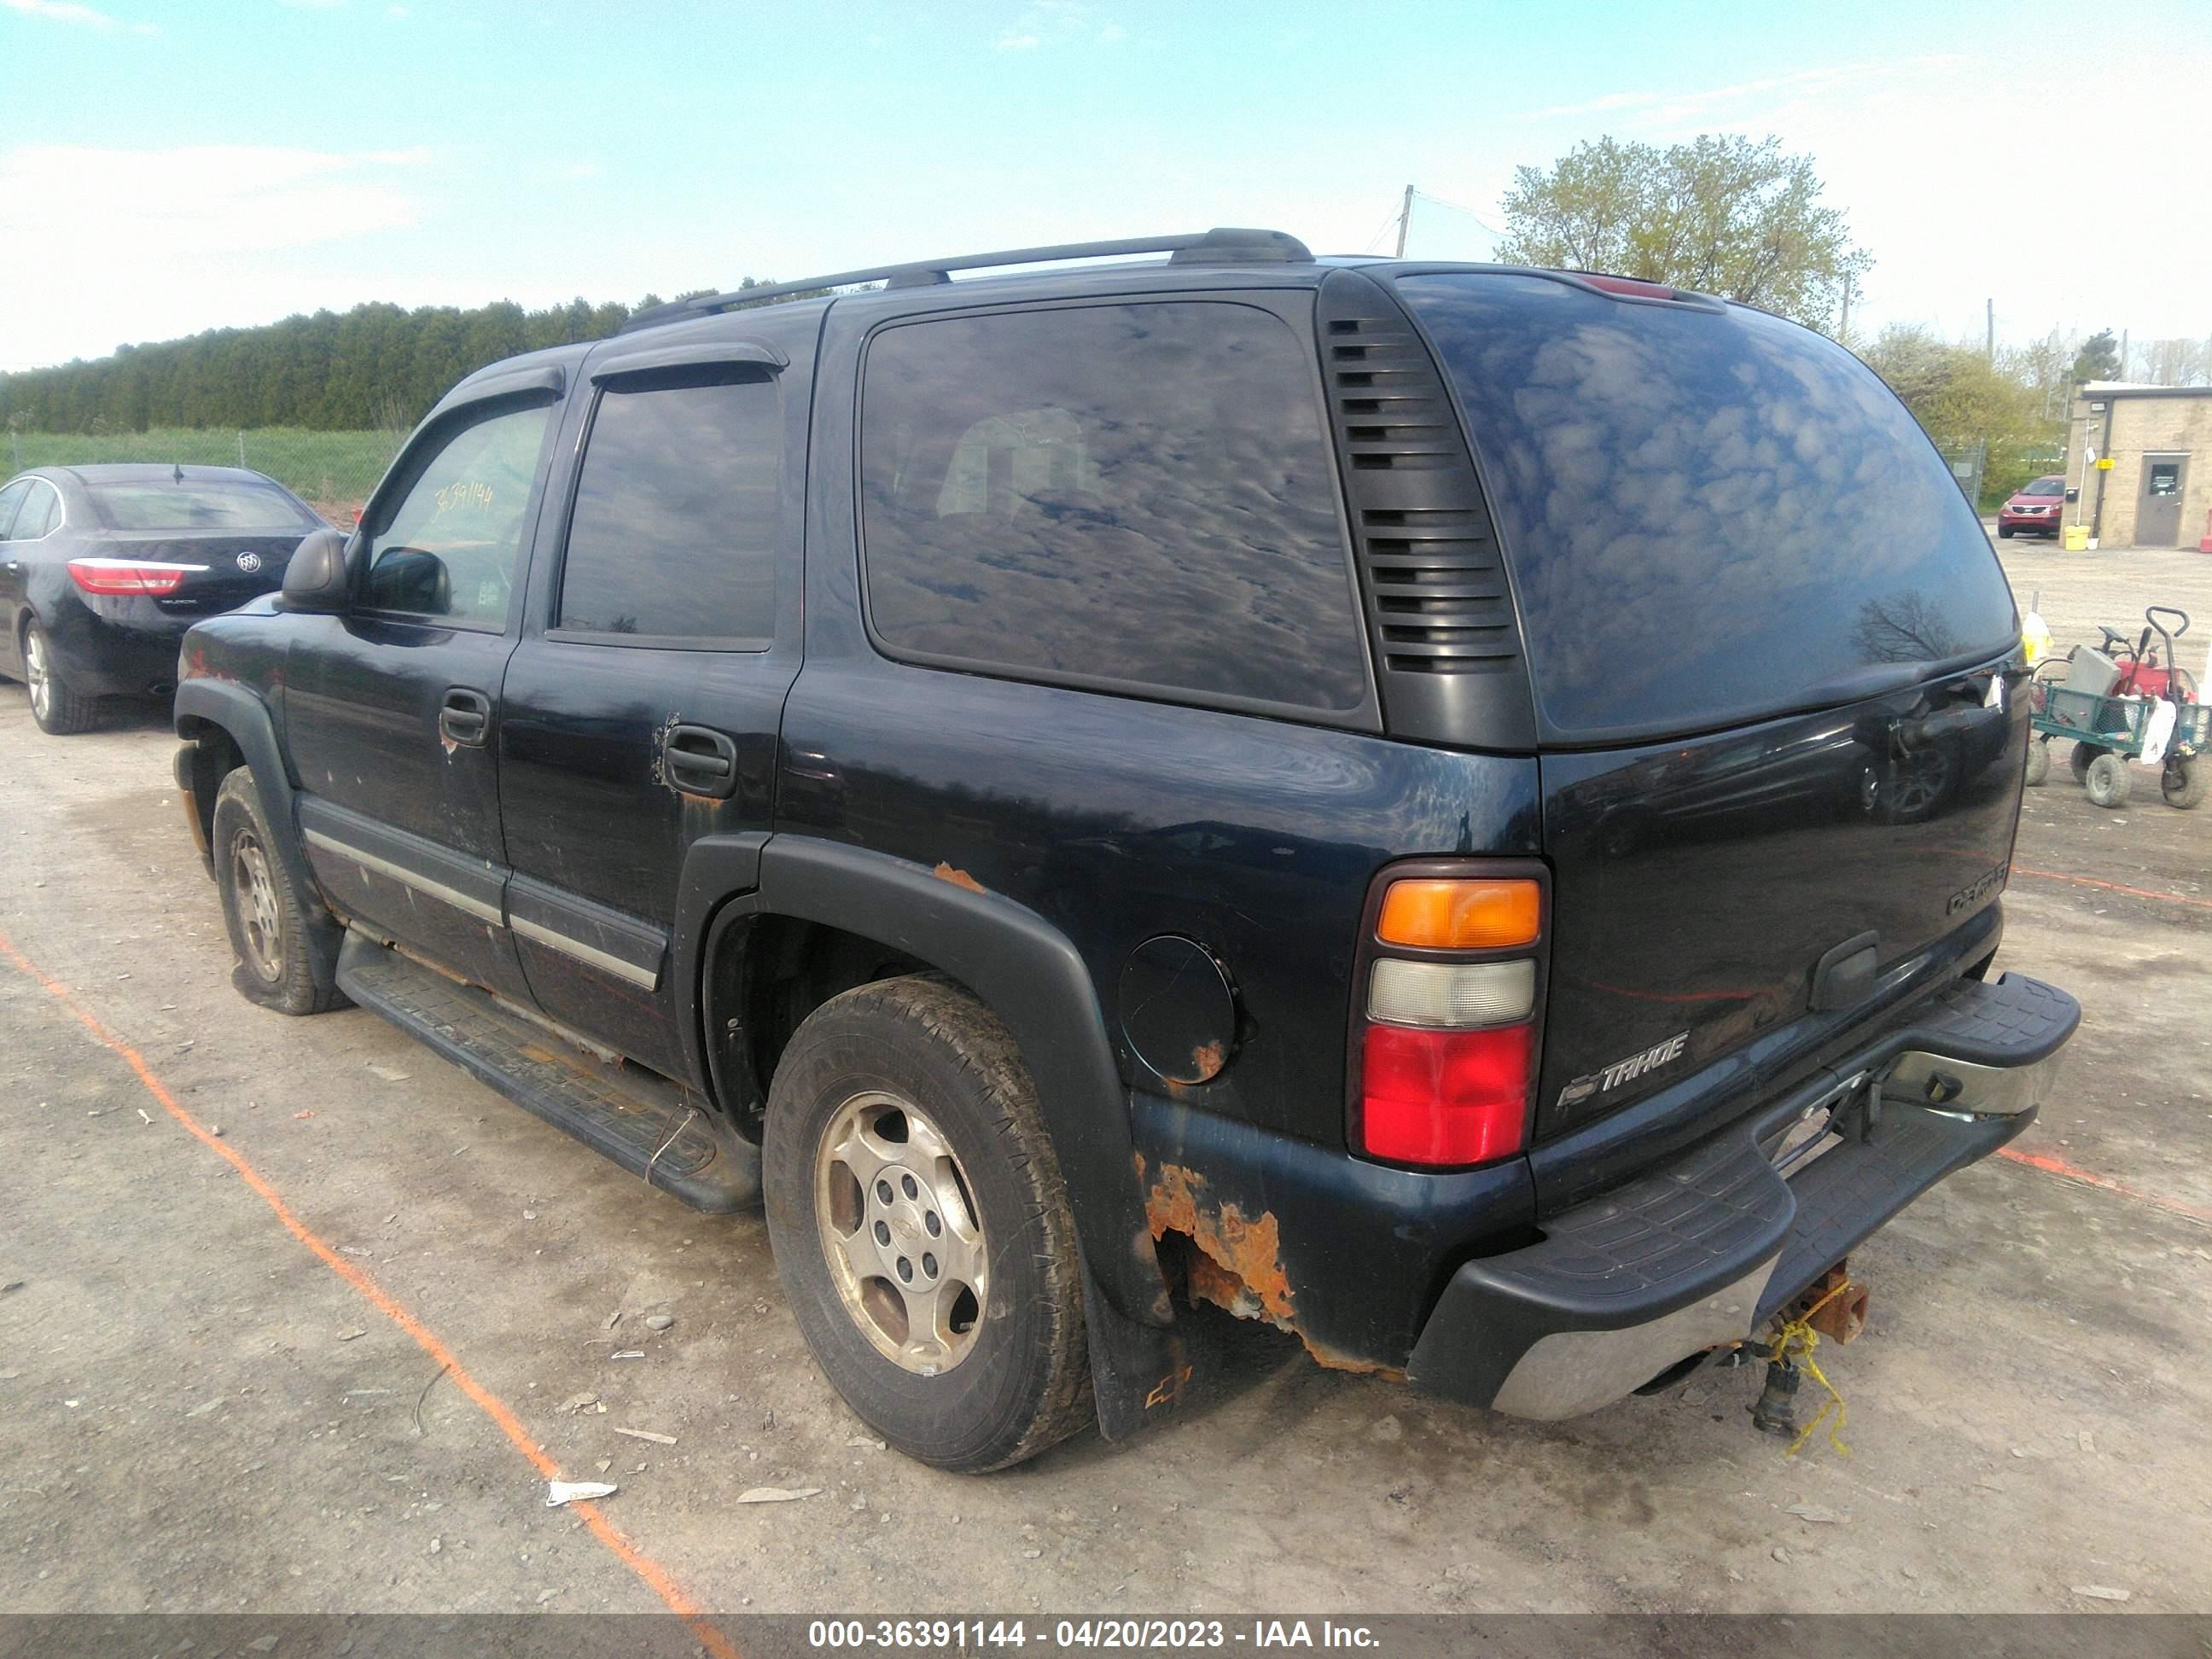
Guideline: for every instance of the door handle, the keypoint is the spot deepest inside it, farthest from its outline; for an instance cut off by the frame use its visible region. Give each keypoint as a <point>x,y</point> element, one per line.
<point>700,761</point>
<point>464,717</point>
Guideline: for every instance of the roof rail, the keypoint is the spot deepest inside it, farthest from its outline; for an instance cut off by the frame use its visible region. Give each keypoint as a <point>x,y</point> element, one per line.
<point>1218,246</point>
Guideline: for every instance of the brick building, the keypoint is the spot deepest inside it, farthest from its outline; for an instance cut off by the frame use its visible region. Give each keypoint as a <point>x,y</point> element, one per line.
<point>2158,488</point>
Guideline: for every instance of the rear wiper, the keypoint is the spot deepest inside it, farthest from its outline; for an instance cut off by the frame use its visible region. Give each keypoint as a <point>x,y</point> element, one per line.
<point>1857,684</point>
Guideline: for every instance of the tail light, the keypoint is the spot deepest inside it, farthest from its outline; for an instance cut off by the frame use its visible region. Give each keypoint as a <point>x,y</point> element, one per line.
<point>1446,1011</point>
<point>130,576</point>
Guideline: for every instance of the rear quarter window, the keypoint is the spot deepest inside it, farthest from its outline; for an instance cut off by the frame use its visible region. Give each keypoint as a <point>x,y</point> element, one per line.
<point>1710,517</point>
<point>1137,496</point>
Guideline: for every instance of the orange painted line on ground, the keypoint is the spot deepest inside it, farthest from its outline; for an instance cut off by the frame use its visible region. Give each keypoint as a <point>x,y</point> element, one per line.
<point>2114,887</point>
<point>656,1577</point>
<point>2058,1166</point>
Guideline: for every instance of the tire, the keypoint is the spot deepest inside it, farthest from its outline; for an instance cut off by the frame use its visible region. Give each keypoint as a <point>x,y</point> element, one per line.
<point>2038,762</point>
<point>2079,760</point>
<point>2108,782</point>
<point>59,711</point>
<point>917,1070</point>
<point>2005,531</point>
<point>266,914</point>
<point>2184,781</point>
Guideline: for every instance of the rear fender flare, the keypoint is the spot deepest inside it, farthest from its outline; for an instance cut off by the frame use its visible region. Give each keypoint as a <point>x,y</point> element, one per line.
<point>206,704</point>
<point>1031,976</point>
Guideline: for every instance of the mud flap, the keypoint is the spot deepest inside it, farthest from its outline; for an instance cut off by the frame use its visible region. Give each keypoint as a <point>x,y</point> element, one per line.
<point>1138,1372</point>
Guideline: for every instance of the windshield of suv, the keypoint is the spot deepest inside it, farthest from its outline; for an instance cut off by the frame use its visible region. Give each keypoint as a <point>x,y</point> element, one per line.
<point>2044,487</point>
<point>197,505</point>
<point>1709,517</point>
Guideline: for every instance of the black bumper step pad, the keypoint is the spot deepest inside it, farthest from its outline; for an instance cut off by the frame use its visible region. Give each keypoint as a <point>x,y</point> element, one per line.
<point>2011,1020</point>
<point>1691,1228</point>
<point>1653,1244</point>
<point>1847,1193</point>
<point>641,1122</point>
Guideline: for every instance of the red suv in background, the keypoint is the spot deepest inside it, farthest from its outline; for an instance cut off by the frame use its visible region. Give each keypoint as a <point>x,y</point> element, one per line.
<point>2034,506</point>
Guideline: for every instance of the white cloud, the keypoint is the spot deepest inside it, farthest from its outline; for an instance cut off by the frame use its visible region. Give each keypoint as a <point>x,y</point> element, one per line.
<point>1662,106</point>
<point>1909,150</point>
<point>1061,22</point>
<point>153,243</point>
<point>68,11</point>
<point>62,11</point>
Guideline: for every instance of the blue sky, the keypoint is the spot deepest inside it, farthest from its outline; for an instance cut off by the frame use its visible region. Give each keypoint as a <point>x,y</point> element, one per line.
<point>166,167</point>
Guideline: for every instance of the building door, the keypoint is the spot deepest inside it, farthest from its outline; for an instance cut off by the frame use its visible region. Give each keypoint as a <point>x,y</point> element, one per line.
<point>2158,515</point>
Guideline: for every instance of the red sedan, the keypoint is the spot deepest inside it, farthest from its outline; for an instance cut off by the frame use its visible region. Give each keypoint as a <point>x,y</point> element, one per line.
<point>2036,505</point>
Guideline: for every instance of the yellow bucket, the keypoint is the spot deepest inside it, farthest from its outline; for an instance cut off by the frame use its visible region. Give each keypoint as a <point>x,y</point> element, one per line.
<point>2077,538</point>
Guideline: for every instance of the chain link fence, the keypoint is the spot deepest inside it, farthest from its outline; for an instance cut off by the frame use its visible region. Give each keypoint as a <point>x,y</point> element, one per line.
<point>333,472</point>
<point>1967,463</point>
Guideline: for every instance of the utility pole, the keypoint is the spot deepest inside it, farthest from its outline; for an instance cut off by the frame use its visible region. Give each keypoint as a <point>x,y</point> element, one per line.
<point>1844,331</point>
<point>1405,218</point>
<point>1990,347</point>
<point>2123,354</point>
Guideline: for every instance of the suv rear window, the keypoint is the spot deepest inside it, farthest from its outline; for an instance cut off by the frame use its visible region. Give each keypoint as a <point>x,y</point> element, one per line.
<point>1134,497</point>
<point>1709,517</point>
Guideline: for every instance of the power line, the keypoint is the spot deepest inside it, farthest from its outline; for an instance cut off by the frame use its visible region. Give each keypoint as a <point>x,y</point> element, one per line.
<point>1440,202</point>
<point>1381,230</point>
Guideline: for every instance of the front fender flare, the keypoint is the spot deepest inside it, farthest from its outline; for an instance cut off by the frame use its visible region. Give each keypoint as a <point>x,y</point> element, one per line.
<point>235,709</point>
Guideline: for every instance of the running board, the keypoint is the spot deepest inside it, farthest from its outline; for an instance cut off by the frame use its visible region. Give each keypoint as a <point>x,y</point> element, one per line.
<point>638,1119</point>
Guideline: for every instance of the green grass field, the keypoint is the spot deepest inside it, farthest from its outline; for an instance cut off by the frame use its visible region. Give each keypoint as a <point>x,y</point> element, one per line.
<point>333,471</point>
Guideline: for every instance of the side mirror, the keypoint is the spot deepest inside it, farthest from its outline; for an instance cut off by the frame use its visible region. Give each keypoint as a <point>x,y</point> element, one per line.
<point>2073,494</point>
<point>315,579</point>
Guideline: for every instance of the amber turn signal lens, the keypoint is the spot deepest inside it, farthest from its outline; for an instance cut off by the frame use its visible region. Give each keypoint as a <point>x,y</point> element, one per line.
<point>1462,916</point>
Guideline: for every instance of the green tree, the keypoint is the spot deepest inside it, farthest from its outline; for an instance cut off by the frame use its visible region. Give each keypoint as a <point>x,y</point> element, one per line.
<point>374,366</point>
<point>1961,399</point>
<point>1721,213</point>
<point>2098,360</point>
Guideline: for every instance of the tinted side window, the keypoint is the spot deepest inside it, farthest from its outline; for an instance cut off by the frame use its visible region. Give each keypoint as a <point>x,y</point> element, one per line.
<point>450,547</point>
<point>11,499</point>
<point>41,512</point>
<point>673,534</point>
<point>1128,494</point>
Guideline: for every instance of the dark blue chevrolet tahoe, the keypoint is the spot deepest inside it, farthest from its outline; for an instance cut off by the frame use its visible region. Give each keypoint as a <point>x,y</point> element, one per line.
<point>1457,810</point>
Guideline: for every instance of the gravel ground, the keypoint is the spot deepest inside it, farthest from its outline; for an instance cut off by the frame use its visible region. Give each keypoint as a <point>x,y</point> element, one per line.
<point>198,1414</point>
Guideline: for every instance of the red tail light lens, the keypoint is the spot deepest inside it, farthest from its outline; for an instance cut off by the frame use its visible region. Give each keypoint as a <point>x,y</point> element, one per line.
<point>1441,1096</point>
<point>129,576</point>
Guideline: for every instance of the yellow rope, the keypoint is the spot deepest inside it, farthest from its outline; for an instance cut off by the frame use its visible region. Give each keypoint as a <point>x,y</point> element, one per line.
<point>1798,1332</point>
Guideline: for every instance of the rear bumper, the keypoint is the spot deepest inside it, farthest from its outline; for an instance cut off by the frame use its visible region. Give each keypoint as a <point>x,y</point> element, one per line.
<point>1701,1251</point>
<point>127,647</point>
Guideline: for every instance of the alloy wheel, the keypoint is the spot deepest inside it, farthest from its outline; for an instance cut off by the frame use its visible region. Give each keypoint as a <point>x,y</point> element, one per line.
<point>900,1233</point>
<point>38,675</point>
<point>259,916</point>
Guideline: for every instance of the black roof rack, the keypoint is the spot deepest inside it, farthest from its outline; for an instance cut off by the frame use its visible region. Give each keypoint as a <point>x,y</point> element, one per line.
<point>1220,247</point>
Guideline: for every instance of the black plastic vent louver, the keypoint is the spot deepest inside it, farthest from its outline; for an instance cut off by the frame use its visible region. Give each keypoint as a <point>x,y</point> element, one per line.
<point>1446,638</point>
